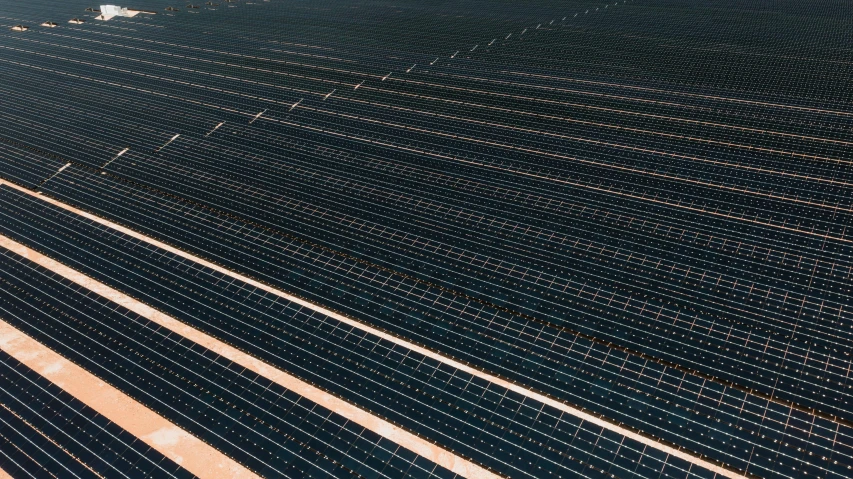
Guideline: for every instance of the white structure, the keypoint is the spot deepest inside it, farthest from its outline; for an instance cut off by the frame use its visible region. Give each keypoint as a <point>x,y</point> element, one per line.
<point>113,11</point>
<point>110,11</point>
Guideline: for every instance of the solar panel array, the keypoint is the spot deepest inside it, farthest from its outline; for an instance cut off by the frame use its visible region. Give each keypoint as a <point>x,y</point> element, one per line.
<point>496,220</point>
<point>47,431</point>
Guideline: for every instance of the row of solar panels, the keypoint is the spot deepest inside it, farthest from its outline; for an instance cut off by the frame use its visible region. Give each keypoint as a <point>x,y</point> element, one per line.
<point>828,266</point>
<point>738,133</point>
<point>44,430</point>
<point>816,199</point>
<point>521,361</point>
<point>822,204</point>
<point>602,387</point>
<point>471,417</point>
<point>271,430</point>
<point>181,156</point>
